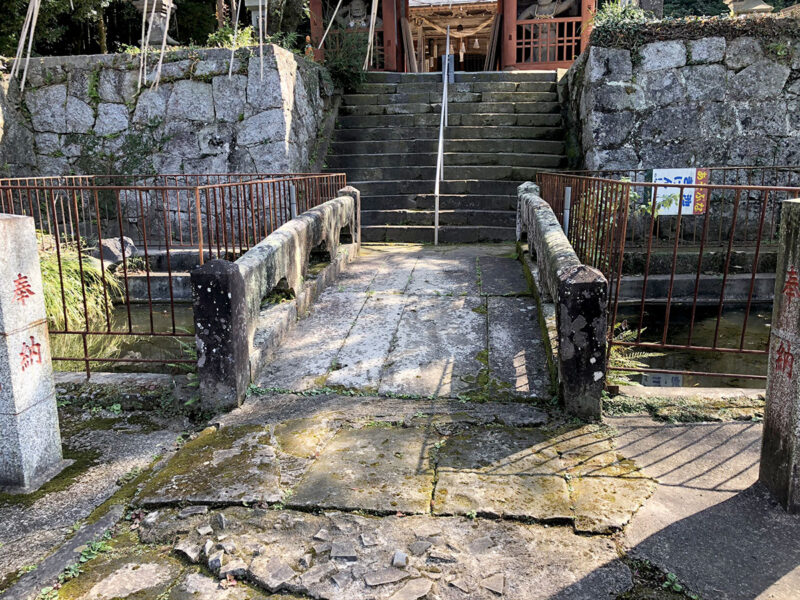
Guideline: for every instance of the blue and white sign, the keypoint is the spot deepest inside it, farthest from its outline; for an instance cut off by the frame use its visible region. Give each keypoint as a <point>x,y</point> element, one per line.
<point>667,196</point>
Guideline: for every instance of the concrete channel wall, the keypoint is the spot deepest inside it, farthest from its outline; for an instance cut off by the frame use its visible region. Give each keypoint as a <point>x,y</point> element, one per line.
<point>580,294</point>
<point>244,309</point>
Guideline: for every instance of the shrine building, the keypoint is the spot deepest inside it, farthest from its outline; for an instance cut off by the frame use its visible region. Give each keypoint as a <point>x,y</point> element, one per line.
<point>494,35</point>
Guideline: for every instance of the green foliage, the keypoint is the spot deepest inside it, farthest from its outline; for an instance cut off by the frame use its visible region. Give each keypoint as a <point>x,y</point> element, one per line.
<point>344,58</point>
<point>696,8</point>
<point>99,294</point>
<point>626,357</point>
<point>614,14</point>
<point>633,34</point>
<point>224,37</point>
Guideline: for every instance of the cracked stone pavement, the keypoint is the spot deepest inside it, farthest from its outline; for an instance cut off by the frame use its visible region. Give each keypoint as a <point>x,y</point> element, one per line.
<point>436,470</point>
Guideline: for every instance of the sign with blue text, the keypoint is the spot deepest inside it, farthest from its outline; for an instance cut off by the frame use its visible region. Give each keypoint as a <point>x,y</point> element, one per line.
<point>679,194</point>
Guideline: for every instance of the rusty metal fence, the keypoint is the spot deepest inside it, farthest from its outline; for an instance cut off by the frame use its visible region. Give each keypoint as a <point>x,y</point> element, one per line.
<point>691,266</point>
<point>116,252</point>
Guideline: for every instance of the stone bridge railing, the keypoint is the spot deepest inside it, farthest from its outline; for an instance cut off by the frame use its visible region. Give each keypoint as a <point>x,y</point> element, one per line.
<point>238,325</point>
<point>580,294</point>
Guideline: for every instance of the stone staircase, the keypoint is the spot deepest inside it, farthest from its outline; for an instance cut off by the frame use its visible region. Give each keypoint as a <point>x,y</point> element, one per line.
<point>503,129</point>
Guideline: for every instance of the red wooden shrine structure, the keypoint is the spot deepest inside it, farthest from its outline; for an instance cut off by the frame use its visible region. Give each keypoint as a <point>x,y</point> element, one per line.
<point>508,34</point>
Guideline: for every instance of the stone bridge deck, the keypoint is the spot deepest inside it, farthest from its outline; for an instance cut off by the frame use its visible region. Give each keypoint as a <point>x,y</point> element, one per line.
<point>423,321</point>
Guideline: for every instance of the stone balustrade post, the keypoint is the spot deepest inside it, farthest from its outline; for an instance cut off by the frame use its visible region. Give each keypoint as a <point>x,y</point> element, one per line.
<point>220,318</point>
<point>349,190</point>
<point>30,440</point>
<point>780,448</point>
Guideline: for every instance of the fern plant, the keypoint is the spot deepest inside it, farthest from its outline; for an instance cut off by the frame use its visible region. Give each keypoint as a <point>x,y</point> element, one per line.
<point>626,357</point>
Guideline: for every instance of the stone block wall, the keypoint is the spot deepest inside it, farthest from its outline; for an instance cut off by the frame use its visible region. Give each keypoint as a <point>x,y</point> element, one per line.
<point>84,114</point>
<point>708,101</point>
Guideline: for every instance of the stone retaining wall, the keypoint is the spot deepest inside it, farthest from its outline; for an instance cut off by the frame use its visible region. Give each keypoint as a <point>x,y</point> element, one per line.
<point>580,294</point>
<point>237,325</point>
<point>84,114</point>
<point>685,102</point>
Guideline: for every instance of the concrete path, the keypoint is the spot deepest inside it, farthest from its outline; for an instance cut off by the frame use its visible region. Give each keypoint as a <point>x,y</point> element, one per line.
<point>709,521</point>
<point>423,321</point>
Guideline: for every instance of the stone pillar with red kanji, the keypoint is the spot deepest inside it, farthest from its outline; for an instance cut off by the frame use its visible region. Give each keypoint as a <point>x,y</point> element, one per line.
<point>30,440</point>
<point>780,448</point>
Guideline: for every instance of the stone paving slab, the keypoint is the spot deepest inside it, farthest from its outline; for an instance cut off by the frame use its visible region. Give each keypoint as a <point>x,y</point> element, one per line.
<point>448,275</point>
<point>516,352</point>
<point>500,471</point>
<point>502,276</point>
<point>230,466</point>
<point>450,558</point>
<point>245,464</point>
<point>306,356</point>
<point>361,358</point>
<point>438,342</point>
<point>376,468</point>
<point>395,273</point>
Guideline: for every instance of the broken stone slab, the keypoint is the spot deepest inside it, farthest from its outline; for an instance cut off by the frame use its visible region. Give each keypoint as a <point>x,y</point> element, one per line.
<point>189,549</point>
<point>236,568</point>
<point>369,539</point>
<point>569,558</point>
<point>131,579</point>
<point>205,531</point>
<point>414,589</point>
<point>419,547</point>
<point>384,576</point>
<point>196,586</point>
<point>231,466</point>
<point>219,522</point>
<point>323,535</point>
<point>191,511</point>
<point>29,584</point>
<point>270,573</point>
<point>605,500</point>
<point>437,556</point>
<point>375,468</point>
<point>215,561</point>
<point>495,583</point>
<point>344,550</point>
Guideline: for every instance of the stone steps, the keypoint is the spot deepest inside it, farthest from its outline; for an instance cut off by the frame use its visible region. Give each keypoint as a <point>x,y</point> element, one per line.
<point>353,162</point>
<point>461,77</point>
<point>489,202</point>
<point>426,186</point>
<point>346,148</point>
<point>480,172</point>
<point>431,119</point>
<point>455,88</point>
<point>456,108</point>
<point>460,216</point>
<point>459,234</point>
<point>503,129</point>
<point>473,132</point>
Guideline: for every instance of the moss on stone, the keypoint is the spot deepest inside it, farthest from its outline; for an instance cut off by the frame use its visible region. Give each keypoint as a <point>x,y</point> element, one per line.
<point>83,460</point>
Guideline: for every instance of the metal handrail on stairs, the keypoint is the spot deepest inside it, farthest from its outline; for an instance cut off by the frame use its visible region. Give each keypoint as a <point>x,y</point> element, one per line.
<point>442,125</point>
